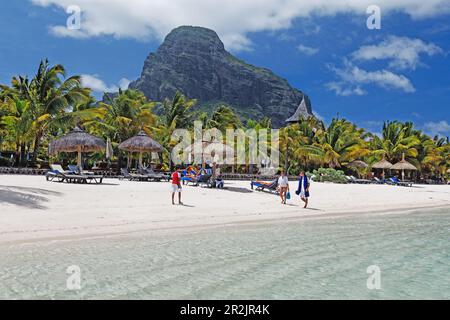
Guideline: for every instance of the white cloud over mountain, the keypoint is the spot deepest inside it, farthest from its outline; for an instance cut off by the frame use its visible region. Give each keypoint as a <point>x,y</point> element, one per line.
<point>98,85</point>
<point>351,78</point>
<point>307,50</point>
<point>401,52</point>
<point>232,19</point>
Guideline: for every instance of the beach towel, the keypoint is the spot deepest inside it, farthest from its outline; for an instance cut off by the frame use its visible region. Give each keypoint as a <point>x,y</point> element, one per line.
<point>303,185</point>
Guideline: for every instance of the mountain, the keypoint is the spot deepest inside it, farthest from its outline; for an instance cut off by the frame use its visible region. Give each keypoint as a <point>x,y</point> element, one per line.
<point>193,60</point>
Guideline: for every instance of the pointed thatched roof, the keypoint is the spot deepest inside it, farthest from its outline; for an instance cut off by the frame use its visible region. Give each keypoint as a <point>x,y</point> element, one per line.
<point>301,111</point>
<point>208,148</point>
<point>77,141</point>
<point>403,165</point>
<point>383,164</point>
<point>141,143</point>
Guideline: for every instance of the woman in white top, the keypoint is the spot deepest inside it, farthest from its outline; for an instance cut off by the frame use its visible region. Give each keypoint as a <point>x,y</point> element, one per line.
<point>283,185</point>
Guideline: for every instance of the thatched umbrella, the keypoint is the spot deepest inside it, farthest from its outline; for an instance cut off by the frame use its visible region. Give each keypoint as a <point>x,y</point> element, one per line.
<point>77,141</point>
<point>383,164</point>
<point>358,164</point>
<point>141,143</point>
<point>209,148</point>
<point>403,165</point>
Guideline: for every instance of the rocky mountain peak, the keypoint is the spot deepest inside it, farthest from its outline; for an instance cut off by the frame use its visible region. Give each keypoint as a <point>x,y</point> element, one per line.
<point>193,60</point>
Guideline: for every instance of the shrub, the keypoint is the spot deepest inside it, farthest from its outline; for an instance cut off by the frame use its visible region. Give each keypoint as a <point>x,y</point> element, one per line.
<point>328,175</point>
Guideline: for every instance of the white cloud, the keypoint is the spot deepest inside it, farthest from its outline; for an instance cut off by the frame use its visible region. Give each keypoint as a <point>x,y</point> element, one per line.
<point>437,128</point>
<point>307,50</point>
<point>402,52</point>
<point>98,85</point>
<point>232,19</point>
<point>351,78</point>
<point>343,89</point>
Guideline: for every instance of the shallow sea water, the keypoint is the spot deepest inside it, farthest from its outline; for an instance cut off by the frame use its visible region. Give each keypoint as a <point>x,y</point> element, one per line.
<point>308,259</point>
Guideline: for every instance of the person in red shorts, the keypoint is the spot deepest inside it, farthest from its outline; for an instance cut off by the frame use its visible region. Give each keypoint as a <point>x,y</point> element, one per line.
<point>176,186</point>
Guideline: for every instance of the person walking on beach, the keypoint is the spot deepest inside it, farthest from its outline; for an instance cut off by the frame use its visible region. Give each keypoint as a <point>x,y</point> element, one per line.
<point>176,186</point>
<point>303,188</point>
<point>283,185</point>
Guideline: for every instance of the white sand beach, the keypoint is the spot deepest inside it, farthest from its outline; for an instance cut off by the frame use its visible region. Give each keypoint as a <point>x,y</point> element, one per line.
<point>33,209</point>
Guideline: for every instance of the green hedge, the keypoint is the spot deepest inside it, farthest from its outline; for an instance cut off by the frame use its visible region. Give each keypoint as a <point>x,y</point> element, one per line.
<point>328,175</point>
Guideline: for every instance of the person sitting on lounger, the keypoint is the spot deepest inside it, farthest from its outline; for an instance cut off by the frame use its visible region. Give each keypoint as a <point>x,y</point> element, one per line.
<point>176,186</point>
<point>283,184</point>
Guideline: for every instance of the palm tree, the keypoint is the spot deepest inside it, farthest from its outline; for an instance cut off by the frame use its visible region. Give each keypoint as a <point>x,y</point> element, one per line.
<point>18,123</point>
<point>397,138</point>
<point>224,118</point>
<point>49,97</point>
<point>341,142</point>
<point>176,111</point>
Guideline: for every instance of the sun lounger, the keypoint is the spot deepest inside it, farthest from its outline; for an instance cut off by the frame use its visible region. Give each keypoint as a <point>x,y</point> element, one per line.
<point>265,186</point>
<point>152,175</point>
<point>204,180</point>
<point>59,175</point>
<point>396,182</point>
<point>132,176</point>
<point>378,181</point>
<point>359,181</point>
<point>189,178</point>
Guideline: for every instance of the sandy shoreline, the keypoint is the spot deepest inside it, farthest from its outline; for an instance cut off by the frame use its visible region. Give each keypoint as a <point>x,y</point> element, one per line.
<point>33,209</point>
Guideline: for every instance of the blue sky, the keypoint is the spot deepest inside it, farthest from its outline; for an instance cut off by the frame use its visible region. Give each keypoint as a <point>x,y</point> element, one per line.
<point>401,71</point>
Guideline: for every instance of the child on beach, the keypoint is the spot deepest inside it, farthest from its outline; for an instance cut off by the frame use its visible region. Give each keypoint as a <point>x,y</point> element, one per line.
<point>176,186</point>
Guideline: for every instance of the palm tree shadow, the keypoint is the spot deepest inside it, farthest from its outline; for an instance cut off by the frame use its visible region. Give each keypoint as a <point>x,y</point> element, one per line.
<point>31,198</point>
<point>237,189</point>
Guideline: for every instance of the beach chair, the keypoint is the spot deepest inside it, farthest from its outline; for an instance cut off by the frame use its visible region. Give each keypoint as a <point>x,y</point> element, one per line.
<point>204,180</point>
<point>396,182</point>
<point>132,176</point>
<point>271,187</point>
<point>60,175</point>
<point>378,181</point>
<point>189,177</point>
<point>57,173</point>
<point>152,175</point>
<point>359,181</point>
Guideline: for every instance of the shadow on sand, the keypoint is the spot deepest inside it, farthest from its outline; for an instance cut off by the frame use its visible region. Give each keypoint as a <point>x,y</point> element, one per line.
<point>237,189</point>
<point>32,198</point>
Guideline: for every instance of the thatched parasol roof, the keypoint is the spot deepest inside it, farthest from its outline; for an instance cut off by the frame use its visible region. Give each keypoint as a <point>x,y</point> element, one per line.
<point>141,143</point>
<point>77,141</point>
<point>403,165</point>
<point>358,164</point>
<point>209,148</point>
<point>383,164</point>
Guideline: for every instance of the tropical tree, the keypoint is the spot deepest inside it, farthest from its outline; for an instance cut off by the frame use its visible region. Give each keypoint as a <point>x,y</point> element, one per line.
<point>49,96</point>
<point>396,139</point>
<point>176,111</point>
<point>340,143</point>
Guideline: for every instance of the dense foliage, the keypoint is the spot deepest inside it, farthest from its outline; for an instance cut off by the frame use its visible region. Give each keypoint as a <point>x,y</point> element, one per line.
<point>35,111</point>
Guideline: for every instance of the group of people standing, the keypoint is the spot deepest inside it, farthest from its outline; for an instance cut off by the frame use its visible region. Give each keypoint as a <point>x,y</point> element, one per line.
<point>283,186</point>
<point>302,191</point>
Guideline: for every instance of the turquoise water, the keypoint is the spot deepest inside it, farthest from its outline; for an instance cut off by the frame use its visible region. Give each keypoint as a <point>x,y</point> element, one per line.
<point>309,259</point>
